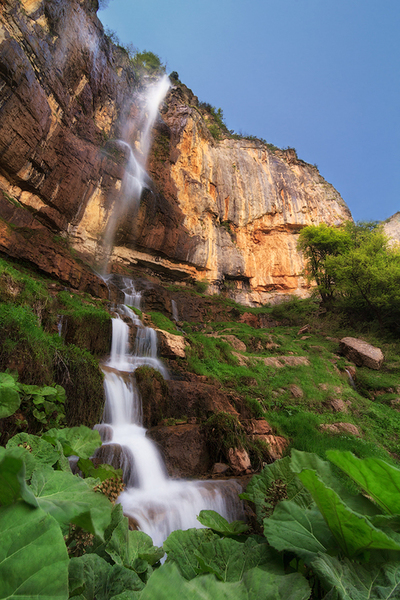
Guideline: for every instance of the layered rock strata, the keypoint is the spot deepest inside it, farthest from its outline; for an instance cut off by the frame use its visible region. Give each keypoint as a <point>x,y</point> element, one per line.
<point>227,211</point>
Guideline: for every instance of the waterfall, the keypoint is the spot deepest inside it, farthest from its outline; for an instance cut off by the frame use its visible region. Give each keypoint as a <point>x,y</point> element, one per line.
<point>156,503</point>
<point>135,177</point>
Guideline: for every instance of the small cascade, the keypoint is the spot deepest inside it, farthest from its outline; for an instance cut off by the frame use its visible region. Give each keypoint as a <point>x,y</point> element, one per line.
<point>175,314</point>
<point>157,504</point>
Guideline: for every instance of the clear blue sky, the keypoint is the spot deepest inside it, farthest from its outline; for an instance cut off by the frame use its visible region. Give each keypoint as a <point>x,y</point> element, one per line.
<point>322,76</point>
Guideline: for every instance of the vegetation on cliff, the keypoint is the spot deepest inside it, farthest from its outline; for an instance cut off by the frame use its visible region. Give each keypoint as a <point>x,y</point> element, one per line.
<point>50,337</point>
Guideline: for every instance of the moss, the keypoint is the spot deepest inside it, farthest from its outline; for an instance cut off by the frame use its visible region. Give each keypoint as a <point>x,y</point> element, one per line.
<point>79,373</point>
<point>86,323</point>
<point>24,346</point>
<point>223,431</point>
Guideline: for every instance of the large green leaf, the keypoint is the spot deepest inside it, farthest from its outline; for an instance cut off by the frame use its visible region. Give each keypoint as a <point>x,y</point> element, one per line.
<point>307,460</point>
<point>93,578</point>
<point>33,555</point>
<point>69,499</point>
<point>229,559</point>
<point>377,478</point>
<point>12,477</point>
<point>167,583</point>
<point>353,581</point>
<point>10,401</point>
<point>353,532</point>
<point>214,521</point>
<point>180,547</point>
<point>79,441</point>
<point>133,549</point>
<point>40,451</point>
<point>263,488</point>
<point>299,530</point>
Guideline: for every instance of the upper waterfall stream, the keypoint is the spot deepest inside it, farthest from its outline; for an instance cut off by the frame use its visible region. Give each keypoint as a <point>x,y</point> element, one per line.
<point>157,504</point>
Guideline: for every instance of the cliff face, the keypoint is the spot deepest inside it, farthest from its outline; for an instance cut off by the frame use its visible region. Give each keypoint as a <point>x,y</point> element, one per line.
<point>392,228</point>
<point>228,211</point>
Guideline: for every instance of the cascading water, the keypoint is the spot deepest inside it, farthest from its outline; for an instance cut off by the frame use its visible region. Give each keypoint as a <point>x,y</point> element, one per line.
<point>157,504</point>
<point>135,175</point>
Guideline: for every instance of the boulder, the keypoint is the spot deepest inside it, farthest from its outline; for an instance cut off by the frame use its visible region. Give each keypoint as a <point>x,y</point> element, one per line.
<point>219,469</point>
<point>277,445</point>
<point>296,391</point>
<point>184,449</point>
<point>239,461</point>
<point>338,405</point>
<point>170,345</point>
<point>361,353</point>
<point>340,428</point>
<point>257,427</point>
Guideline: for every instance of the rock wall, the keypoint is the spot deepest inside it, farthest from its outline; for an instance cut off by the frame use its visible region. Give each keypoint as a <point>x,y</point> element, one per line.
<point>225,211</point>
<point>392,228</point>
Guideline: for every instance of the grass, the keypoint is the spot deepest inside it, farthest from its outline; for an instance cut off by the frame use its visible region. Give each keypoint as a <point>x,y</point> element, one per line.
<point>267,390</point>
<point>160,321</point>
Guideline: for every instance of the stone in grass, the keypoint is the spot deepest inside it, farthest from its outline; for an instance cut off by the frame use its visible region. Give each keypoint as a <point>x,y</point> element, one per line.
<point>361,353</point>
<point>296,391</point>
<point>338,405</point>
<point>340,428</point>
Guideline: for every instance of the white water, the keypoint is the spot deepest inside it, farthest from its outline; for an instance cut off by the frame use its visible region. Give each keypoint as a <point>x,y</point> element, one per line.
<point>158,505</point>
<point>135,176</point>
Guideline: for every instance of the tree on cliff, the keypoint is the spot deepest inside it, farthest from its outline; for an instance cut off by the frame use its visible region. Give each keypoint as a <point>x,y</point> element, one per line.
<point>355,269</point>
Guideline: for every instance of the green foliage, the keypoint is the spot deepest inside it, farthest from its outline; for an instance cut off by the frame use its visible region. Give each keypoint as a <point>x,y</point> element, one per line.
<point>45,403</point>
<point>82,378</point>
<point>148,62</point>
<point>214,521</point>
<point>33,556</point>
<point>355,269</point>
<point>26,345</point>
<point>201,286</point>
<point>223,431</point>
<point>85,323</point>
<point>317,243</point>
<point>160,321</point>
<point>9,396</point>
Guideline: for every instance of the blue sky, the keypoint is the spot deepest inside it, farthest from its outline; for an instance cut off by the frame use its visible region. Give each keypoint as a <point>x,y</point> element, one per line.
<point>322,76</point>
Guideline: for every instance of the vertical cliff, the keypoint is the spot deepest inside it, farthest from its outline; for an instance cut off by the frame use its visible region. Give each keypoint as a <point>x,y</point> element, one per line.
<point>225,210</point>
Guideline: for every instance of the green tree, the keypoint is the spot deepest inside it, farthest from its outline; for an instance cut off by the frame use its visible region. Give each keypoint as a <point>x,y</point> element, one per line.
<point>355,269</point>
<point>318,243</point>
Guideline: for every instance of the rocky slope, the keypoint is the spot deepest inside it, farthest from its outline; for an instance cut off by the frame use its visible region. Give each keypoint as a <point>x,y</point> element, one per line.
<point>226,210</point>
<point>392,228</point>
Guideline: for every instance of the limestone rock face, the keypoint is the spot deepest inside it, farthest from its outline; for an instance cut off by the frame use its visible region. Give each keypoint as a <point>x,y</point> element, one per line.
<point>225,211</point>
<point>392,228</point>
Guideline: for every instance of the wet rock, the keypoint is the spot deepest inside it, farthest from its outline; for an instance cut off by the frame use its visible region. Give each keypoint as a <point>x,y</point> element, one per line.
<point>184,449</point>
<point>361,353</point>
<point>118,457</point>
<point>105,431</point>
<point>239,461</point>
<point>340,428</point>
